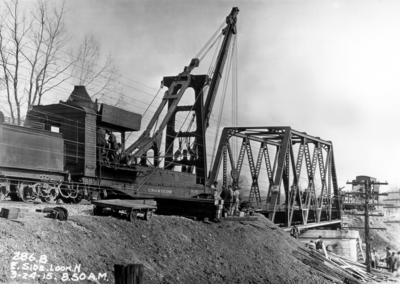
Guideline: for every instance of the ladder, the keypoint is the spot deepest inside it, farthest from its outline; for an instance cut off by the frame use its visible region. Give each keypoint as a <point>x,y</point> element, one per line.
<point>360,252</point>
<point>345,223</point>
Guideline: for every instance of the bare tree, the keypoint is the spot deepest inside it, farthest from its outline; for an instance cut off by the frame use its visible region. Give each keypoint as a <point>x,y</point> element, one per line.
<point>31,54</point>
<point>96,71</point>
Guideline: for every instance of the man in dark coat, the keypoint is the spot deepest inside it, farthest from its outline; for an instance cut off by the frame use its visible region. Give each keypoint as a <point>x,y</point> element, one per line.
<point>388,257</point>
<point>112,140</point>
<point>101,142</point>
<point>101,137</point>
<point>319,243</point>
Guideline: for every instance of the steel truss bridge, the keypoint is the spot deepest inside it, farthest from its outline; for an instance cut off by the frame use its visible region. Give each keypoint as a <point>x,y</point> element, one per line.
<point>294,171</point>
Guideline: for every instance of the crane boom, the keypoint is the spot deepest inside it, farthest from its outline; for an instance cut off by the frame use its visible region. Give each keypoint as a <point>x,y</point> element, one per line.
<point>177,85</point>
<point>228,31</point>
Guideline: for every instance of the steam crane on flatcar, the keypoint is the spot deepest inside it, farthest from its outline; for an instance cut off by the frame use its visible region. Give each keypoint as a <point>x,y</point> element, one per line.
<point>192,179</point>
<point>72,164</point>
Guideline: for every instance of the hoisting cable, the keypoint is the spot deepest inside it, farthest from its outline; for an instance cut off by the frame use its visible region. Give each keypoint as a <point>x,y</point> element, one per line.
<point>235,99</point>
<point>187,139</point>
<point>147,108</point>
<point>230,55</point>
<point>211,70</point>
<point>214,59</point>
<point>219,30</point>
<point>211,46</point>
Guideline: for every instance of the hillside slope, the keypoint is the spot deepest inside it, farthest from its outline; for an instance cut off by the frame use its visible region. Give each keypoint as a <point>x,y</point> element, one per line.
<point>172,250</point>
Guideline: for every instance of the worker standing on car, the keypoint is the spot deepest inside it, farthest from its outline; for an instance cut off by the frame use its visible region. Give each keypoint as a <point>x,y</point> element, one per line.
<point>228,197</point>
<point>112,141</point>
<point>101,142</point>
<point>236,200</point>
<point>215,191</point>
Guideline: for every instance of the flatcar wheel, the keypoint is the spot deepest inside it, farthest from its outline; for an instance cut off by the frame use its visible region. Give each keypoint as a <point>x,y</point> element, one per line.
<point>49,193</point>
<point>14,196</point>
<point>4,189</point>
<point>79,196</point>
<point>148,215</point>
<point>98,211</point>
<point>24,192</point>
<point>132,215</point>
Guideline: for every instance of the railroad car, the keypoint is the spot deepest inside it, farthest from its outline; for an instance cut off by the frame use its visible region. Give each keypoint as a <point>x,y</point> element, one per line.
<point>356,201</point>
<point>54,154</point>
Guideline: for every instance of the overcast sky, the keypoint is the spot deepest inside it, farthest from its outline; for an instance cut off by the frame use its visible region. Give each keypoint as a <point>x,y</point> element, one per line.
<point>328,68</point>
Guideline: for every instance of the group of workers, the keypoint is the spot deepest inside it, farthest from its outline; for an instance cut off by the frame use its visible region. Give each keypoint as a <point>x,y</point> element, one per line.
<point>391,258</point>
<point>186,159</point>
<point>318,244</point>
<point>187,165</point>
<point>108,148</point>
<point>231,198</point>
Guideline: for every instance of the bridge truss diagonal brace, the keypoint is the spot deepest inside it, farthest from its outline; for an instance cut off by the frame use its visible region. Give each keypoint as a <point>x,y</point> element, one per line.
<point>294,195</point>
<point>323,169</point>
<point>254,170</point>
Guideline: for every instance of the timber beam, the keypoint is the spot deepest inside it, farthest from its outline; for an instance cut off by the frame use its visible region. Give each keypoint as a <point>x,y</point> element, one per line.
<point>363,228</point>
<point>315,225</point>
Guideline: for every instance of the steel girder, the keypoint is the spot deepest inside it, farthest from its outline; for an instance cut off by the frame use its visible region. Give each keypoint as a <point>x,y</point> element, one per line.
<point>287,153</point>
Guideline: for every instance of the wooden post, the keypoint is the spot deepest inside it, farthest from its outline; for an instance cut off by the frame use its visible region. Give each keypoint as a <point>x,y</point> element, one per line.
<point>368,192</point>
<point>128,274</point>
<point>367,244</point>
<point>123,141</point>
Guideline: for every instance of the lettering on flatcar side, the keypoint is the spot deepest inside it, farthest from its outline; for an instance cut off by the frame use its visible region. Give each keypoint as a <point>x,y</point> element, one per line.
<point>159,190</point>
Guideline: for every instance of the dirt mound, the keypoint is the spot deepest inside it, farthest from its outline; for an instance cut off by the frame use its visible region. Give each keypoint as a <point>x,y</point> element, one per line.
<point>172,249</point>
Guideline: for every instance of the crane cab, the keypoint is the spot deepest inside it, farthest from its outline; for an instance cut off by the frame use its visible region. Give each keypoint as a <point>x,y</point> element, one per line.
<point>78,119</point>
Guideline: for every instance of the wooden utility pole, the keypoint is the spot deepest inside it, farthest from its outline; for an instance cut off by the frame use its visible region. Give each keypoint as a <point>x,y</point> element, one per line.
<point>366,216</point>
<point>368,192</point>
